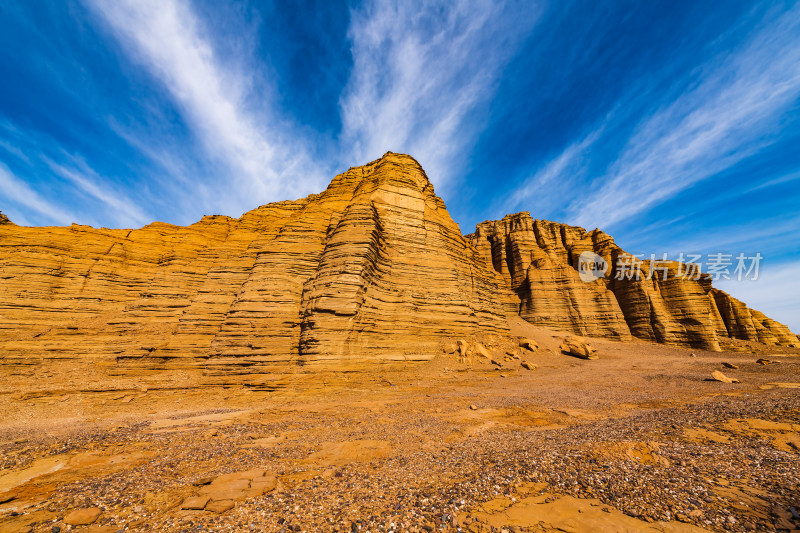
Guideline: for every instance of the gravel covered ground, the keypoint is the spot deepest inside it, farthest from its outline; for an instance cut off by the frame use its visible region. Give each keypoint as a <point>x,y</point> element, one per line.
<point>446,447</point>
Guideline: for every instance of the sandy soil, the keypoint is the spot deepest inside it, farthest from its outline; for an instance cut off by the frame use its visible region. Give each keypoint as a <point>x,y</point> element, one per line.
<point>637,440</point>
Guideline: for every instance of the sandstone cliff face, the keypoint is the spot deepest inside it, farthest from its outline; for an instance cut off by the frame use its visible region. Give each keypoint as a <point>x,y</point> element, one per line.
<point>537,258</point>
<point>539,262</point>
<point>371,270</point>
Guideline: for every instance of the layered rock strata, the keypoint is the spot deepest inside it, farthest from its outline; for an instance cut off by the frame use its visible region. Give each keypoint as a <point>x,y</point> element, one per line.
<point>372,270</point>
<point>665,302</point>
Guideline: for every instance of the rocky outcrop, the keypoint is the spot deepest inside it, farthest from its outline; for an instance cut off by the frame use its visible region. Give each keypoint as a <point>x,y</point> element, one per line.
<point>372,270</point>
<point>666,302</point>
<point>741,322</point>
<point>538,261</point>
<point>4,219</point>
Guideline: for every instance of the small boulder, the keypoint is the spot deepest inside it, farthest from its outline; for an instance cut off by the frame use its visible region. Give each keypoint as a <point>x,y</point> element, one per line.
<point>763,361</point>
<point>83,517</point>
<point>528,344</point>
<point>473,407</point>
<point>450,348</point>
<point>722,378</point>
<point>482,351</point>
<point>195,502</point>
<point>219,506</point>
<point>529,366</point>
<point>577,348</point>
<point>729,365</point>
<point>462,348</point>
<point>263,485</point>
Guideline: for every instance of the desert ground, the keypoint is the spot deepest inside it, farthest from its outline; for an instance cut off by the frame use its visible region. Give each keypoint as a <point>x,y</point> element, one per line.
<point>639,439</point>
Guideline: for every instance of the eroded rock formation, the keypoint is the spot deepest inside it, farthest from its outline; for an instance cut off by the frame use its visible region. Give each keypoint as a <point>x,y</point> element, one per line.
<point>664,303</point>
<point>538,260</point>
<point>373,269</point>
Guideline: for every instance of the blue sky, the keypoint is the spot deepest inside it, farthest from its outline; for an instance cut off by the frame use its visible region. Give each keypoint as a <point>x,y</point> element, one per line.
<point>673,126</point>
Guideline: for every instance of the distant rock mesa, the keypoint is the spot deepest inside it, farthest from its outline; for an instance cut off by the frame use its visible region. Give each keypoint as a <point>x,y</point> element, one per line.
<point>539,262</point>
<point>372,270</point>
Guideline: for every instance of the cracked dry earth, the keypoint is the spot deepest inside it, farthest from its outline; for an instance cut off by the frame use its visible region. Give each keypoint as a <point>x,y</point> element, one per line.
<point>637,440</point>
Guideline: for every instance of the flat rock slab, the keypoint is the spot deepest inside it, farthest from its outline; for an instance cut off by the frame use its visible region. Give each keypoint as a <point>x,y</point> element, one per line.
<point>220,506</point>
<point>239,485</point>
<point>83,517</point>
<point>567,514</point>
<point>195,502</point>
<point>339,453</point>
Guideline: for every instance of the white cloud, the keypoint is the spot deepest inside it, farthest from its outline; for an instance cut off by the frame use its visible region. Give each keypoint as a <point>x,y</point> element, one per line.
<point>42,156</point>
<point>553,181</point>
<point>169,39</point>
<point>726,118</point>
<point>13,150</point>
<point>769,238</point>
<point>119,206</point>
<point>16,190</point>
<point>775,293</point>
<point>420,72</point>
<point>738,101</point>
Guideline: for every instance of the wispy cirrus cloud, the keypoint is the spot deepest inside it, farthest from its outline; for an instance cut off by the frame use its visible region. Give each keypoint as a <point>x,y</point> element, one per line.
<point>730,112</point>
<point>263,156</point>
<point>15,190</point>
<point>692,229</point>
<point>774,234</point>
<point>122,209</point>
<point>775,292</point>
<point>421,71</point>
<point>41,160</point>
<point>552,182</point>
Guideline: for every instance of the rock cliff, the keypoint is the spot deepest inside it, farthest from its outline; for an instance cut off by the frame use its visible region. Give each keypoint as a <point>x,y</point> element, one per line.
<point>539,262</point>
<point>372,270</point>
